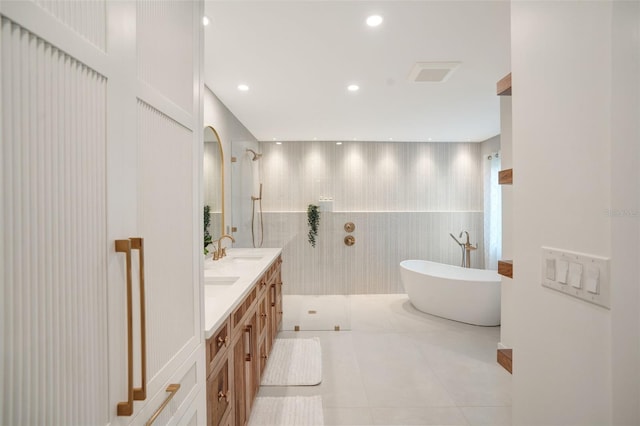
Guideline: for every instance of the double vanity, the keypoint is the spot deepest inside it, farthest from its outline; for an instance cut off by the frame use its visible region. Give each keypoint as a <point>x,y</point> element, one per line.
<point>243,313</point>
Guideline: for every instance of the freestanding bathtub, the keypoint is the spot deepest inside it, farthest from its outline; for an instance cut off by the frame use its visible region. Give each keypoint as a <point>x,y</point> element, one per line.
<point>461,294</point>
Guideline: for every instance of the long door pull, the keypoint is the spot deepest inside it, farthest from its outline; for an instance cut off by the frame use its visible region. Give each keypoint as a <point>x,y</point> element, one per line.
<point>140,394</point>
<point>126,408</point>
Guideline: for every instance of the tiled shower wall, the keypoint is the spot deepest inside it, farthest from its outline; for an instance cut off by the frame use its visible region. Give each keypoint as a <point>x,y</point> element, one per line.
<point>404,198</point>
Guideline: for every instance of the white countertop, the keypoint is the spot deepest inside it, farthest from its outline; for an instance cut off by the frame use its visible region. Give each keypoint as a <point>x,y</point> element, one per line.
<point>247,265</point>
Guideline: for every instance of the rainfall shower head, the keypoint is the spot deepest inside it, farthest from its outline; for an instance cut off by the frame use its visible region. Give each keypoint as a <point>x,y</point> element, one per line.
<point>255,155</point>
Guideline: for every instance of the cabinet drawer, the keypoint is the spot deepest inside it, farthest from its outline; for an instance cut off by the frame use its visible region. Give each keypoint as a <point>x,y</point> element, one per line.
<point>238,315</point>
<point>216,346</point>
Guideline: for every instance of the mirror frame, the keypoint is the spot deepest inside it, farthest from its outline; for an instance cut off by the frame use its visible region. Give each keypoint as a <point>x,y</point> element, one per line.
<point>222,206</point>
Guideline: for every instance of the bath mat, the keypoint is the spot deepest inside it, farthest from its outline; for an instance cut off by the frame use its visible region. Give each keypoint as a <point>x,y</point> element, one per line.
<point>287,411</point>
<point>294,362</point>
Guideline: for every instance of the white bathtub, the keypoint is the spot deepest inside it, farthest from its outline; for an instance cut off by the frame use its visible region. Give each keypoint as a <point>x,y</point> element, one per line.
<point>461,294</point>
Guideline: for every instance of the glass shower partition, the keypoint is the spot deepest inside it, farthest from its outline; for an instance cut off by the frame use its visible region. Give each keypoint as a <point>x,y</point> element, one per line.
<point>316,296</point>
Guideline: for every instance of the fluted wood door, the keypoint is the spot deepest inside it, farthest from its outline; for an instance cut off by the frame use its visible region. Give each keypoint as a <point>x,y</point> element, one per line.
<point>100,137</point>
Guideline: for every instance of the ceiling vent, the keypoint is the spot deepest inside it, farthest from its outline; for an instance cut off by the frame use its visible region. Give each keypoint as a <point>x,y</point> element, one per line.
<point>432,72</point>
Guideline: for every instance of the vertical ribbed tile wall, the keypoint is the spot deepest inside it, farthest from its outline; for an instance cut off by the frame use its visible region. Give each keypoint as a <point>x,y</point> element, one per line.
<point>53,256</point>
<point>160,36</point>
<point>166,144</point>
<point>87,18</point>
<point>405,199</point>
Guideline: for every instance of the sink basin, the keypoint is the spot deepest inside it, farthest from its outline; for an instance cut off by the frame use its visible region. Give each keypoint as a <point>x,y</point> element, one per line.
<point>220,280</point>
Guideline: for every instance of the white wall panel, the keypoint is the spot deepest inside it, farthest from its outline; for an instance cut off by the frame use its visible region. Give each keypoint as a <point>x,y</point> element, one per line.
<point>165,48</point>
<point>54,365</point>
<point>405,199</point>
<point>87,18</point>
<point>166,222</point>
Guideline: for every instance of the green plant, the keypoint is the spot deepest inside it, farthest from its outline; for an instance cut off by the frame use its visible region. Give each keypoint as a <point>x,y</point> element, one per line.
<point>207,235</point>
<point>313,220</point>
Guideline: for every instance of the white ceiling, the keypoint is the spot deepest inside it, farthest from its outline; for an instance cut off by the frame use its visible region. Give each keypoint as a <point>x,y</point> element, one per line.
<point>298,57</point>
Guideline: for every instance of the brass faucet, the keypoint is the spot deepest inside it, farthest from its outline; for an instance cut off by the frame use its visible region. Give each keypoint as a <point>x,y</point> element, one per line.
<point>221,251</point>
<point>466,259</point>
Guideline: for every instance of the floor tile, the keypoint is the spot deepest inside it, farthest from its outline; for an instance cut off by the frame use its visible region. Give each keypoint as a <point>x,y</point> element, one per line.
<point>418,416</point>
<point>347,416</point>
<point>488,416</point>
<point>398,365</point>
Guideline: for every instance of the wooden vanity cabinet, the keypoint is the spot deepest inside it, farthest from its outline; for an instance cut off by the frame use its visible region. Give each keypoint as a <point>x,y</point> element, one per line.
<point>237,352</point>
<point>276,301</point>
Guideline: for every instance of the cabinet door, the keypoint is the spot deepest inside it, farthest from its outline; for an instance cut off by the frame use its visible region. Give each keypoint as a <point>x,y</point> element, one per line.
<point>87,133</point>
<point>53,197</point>
<point>239,349</point>
<point>219,391</point>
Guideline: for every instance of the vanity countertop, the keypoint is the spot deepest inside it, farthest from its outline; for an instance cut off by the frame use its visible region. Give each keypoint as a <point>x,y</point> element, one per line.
<point>243,266</point>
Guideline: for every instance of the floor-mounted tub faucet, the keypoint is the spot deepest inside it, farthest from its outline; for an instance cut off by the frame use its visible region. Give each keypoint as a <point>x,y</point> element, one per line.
<point>466,249</point>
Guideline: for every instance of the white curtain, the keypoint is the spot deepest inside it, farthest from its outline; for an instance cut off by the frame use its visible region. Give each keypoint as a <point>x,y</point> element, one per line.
<point>492,212</point>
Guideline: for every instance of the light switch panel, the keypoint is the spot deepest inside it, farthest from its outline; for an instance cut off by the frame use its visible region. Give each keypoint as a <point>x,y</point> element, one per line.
<point>562,271</point>
<point>587,275</point>
<point>575,275</point>
<point>592,279</point>
<point>551,269</point>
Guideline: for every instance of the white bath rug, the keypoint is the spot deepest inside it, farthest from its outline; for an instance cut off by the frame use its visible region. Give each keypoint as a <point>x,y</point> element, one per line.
<point>287,411</point>
<point>294,362</point>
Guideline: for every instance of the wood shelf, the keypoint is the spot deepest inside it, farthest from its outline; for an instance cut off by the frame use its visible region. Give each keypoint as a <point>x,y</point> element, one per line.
<point>505,268</point>
<point>504,86</point>
<point>505,359</point>
<point>505,177</point>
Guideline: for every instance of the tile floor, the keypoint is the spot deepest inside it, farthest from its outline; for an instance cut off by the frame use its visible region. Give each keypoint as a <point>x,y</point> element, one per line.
<point>399,366</point>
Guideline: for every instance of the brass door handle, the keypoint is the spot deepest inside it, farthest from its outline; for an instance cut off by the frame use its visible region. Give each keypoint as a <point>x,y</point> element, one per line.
<point>126,408</point>
<point>273,294</point>
<point>173,389</point>
<point>140,394</point>
<point>249,330</point>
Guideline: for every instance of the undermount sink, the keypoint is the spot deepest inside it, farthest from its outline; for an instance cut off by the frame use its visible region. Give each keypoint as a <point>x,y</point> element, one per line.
<point>220,280</point>
<point>246,258</point>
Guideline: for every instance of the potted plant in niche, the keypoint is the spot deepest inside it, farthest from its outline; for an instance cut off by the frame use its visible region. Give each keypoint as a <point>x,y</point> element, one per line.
<point>313,220</point>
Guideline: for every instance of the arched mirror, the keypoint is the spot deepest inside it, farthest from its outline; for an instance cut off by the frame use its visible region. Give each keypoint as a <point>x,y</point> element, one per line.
<point>213,170</point>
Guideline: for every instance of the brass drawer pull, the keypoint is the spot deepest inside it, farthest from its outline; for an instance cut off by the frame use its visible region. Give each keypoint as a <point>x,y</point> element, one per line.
<point>223,341</point>
<point>223,395</point>
<point>173,389</point>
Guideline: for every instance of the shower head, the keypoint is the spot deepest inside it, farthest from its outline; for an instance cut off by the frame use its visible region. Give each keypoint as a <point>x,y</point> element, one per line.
<point>255,155</point>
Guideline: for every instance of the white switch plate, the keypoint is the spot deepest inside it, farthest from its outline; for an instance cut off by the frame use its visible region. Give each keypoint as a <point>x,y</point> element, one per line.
<point>581,266</point>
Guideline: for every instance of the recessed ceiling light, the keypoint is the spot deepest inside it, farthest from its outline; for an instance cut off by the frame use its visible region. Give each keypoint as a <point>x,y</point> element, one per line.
<point>338,143</point>
<point>205,20</point>
<point>374,20</point>
<point>278,143</point>
<point>243,87</point>
<point>353,88</point>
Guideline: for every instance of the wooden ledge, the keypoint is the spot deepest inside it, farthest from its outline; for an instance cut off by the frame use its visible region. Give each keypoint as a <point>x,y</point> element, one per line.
<point>505,177</point>
<point>505,359</point>
<point>504,86</point>
<point>505,268</point>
